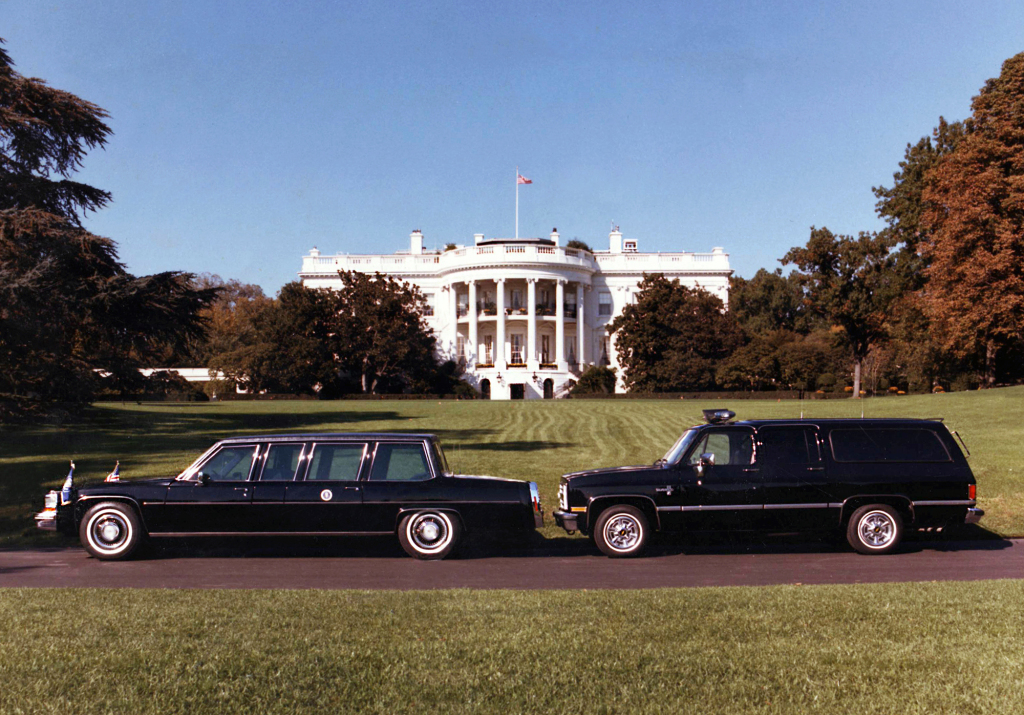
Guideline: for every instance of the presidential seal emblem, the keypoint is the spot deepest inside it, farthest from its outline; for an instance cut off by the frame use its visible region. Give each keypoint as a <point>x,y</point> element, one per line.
<point>326,494</point>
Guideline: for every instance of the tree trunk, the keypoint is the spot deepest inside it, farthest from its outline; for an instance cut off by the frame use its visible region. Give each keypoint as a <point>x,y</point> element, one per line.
<point>365,382</point>
<point>990,363</point>
<point>856,378</point>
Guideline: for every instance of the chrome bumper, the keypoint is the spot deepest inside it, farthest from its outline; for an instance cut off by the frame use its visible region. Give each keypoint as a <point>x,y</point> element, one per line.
<point>567,520</point>
<point>47,520</point>
<point>973,515</point>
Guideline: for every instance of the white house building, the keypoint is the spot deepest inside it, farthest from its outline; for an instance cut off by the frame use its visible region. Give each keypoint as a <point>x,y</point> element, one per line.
<point>527,315</point>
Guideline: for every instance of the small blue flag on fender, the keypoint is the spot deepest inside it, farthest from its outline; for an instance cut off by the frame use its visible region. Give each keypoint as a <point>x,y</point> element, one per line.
<point>65,491</point>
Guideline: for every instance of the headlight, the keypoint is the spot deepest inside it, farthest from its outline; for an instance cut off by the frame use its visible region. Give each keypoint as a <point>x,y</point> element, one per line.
<point>50,502</point>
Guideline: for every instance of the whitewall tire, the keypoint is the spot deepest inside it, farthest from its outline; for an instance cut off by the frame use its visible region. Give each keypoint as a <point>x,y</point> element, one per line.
<point>429,534</point>
<point>110,531</point>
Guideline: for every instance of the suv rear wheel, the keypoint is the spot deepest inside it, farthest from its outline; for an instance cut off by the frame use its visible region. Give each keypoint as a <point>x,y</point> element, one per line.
<point>621,531</point>
<point>874,529</point>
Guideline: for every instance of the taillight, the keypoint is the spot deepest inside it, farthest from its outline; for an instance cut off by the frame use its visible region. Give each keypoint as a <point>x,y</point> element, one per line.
<point>972,491</point>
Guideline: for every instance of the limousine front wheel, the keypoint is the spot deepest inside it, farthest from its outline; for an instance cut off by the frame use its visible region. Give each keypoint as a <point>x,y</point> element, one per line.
<point>429,534</point>
<point>110,531</point>
<point>875,529</point>
<point>621,531</point>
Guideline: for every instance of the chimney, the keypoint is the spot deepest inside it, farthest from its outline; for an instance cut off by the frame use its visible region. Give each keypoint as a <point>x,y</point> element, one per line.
<point>315,252</point>
<point>416,242</point>
<point>554,236</point>
<point>615,241</point>
<point>478,238</point>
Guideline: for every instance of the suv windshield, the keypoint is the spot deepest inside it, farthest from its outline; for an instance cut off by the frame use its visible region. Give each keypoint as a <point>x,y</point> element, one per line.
<point>679,448</point>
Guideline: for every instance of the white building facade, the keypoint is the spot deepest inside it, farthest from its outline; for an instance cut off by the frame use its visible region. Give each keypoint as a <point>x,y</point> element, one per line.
<point>527,316</point>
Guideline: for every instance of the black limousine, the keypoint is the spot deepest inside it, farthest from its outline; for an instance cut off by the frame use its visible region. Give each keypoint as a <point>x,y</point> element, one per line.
<point>300,484</point>
<point>870,479</point>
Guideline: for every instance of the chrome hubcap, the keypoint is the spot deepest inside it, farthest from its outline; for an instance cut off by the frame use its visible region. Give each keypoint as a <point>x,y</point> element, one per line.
<point>110,531</point>
<point>622,532</point>
<point>877,529</point>
<point>429,531</point>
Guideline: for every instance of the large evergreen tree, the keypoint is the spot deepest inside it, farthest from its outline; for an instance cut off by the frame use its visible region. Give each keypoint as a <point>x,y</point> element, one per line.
<point>974,219</point>
<point>68,307</point>
<point>672,337</point>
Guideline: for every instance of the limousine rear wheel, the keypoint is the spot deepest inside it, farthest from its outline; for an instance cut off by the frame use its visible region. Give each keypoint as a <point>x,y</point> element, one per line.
<point>621,531</point>
<point>110,531</point>
<point>429,534</point>
<point>875,529</point>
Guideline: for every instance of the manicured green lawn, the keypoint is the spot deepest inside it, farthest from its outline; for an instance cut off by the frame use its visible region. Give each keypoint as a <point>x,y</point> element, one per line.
<point>527,440</point>
<point>925,648</point>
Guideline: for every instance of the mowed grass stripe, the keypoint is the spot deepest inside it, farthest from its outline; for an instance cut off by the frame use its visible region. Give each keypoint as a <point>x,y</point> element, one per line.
<point>905,648</point>
<point>535,440</point>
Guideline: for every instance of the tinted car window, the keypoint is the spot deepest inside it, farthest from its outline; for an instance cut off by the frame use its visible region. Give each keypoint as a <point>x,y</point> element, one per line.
<point>230,464</point>
<point>336,462</point>
<point>794,445</point>
<point>282,460</point>
<point>729,447</point>
<point>400,463</point>
<point>887,445</point>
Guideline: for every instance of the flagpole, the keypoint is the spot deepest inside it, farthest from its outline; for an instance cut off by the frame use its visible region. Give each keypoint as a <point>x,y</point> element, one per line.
<point>517,202</point>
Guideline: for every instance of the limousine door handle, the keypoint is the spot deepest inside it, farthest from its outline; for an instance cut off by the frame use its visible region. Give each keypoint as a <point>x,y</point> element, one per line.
<point>815,469</point>
<point>355,489</point>
<point>751,469</point>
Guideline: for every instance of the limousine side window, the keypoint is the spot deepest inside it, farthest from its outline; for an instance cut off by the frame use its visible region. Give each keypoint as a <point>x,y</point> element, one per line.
<point>230,464</point>
<point>336,462</point>
<point>728,446</point>
<point>887,445</point>
<point>281,463</point>
<point>399,463</point>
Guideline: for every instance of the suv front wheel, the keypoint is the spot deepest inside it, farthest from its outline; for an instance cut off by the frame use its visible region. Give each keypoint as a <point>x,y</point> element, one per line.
<point>874,529</point>
<point>621,531</point>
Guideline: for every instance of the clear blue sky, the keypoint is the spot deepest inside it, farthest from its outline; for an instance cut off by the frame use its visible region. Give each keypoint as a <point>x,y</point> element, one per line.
<point>246,133</point>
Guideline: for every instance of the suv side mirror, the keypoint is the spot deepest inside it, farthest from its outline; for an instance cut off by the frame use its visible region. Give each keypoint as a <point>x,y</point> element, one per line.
<point>706,460</point>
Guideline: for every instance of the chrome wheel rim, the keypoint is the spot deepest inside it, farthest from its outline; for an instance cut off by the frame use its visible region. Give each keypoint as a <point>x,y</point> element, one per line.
<point>109,531</point>
<point>622,532</point>
<point>429,532</point>
<point>877,529</point>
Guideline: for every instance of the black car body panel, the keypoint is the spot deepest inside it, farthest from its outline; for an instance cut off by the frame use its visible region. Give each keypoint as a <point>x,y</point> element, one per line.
<point>786,475</point>
<point>308,484</point>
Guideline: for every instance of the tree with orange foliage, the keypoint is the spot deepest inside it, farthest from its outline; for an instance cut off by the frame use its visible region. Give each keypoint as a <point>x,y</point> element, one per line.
<point>974,223</point>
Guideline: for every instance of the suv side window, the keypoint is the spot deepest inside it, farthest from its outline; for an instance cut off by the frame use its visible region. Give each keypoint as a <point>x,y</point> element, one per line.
<point>884,444</point>
<point>788,445</point>
<point>399,463</point>
<point>729,447</point>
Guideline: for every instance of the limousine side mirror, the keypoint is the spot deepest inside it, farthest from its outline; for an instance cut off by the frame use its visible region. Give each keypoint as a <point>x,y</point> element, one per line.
<point>204,479</point>
<point>706,460</point>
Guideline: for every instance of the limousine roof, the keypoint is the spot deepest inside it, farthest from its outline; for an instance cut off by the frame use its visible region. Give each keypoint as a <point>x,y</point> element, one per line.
<point>342,436</point>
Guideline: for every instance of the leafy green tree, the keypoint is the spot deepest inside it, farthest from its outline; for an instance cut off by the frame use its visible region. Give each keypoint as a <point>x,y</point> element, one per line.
<point>672,337</point>
<point>769,302</point>
<point>974,220</point>
<point>578,244</point>
<point>67,305</point>
<point>850,283</point>
<point>596,380</point>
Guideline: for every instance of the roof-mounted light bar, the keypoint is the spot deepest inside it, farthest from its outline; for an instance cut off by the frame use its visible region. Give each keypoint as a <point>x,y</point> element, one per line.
<point>717,417</point>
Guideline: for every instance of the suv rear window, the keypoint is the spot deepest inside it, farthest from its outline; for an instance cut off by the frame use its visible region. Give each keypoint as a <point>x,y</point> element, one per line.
<point>887,445</point>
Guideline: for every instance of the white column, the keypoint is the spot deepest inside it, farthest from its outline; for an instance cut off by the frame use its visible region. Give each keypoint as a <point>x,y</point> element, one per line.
<point>531,324</point>
<point>474,349</point>
<point>453,311</point>
<point>500,361</point>
<point>560,324</point>
<point>580,329</point>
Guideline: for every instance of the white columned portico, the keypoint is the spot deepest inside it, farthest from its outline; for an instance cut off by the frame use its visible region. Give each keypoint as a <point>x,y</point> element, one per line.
<point>474,348</point>
<point>453,311</point>
<point>500,362</point>
<point>580,330</point>
<point>560,325</point>
<point>531,324</point>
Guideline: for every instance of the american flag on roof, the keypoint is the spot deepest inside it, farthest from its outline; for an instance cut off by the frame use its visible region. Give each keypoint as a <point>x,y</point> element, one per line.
<point>522,179</point>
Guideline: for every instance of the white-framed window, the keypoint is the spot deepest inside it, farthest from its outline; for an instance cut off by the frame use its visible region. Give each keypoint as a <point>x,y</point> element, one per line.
<point>517,299</point>
<point>488,349</point>
<point>428,309</point>
<point>462,304</point>
<point>629,245</point>
<point>606,351</point>
<point>460,346</point>
<point>545,348</point>
<point>604,305</point>
<point>517,348</point>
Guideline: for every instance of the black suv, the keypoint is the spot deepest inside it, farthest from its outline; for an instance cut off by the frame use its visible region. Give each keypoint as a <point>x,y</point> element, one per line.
<point>869,478</point>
